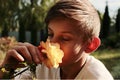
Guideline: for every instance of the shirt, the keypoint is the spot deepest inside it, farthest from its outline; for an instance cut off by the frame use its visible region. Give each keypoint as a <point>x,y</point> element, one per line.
<point>93,69</point>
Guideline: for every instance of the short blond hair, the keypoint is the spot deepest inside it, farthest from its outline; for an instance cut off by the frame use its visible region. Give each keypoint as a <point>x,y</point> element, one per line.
<point>80,10</point>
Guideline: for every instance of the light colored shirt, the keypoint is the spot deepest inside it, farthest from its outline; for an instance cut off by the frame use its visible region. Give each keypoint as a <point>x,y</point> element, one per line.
<point>93,69</point>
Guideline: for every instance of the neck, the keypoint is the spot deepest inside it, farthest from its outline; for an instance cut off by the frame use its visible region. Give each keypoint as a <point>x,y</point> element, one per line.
<point>71,71</point>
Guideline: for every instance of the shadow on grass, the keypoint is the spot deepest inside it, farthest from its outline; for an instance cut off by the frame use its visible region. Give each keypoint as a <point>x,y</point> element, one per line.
<point>113,65</point>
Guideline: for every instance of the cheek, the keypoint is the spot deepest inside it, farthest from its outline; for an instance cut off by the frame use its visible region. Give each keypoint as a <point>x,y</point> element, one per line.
<point>77,49</point>
<point>72,50</point>
<point>71,53</point>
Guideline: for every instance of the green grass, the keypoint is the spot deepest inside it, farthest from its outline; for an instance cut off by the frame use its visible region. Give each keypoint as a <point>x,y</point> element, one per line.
<point>111,59</point>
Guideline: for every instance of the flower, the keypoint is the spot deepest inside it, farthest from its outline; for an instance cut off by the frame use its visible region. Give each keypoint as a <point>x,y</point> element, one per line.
<point>52,53</point>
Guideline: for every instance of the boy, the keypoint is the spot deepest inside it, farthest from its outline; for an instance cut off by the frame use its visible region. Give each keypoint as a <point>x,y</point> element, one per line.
<point>75,25</point>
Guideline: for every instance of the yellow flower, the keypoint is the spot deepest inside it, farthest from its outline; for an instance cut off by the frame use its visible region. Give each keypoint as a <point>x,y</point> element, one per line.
<point>4,70</point>
<point>53,53</point>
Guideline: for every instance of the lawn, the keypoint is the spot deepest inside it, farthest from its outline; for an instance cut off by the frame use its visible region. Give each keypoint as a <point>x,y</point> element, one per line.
<point>111,59</point>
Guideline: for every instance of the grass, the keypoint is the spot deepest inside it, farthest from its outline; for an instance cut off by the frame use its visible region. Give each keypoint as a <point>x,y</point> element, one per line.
<point>111,59</point>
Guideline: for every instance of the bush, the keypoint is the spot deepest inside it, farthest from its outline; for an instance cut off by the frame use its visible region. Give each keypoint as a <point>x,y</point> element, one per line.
<point>112,41</point>
<point>5,44</point>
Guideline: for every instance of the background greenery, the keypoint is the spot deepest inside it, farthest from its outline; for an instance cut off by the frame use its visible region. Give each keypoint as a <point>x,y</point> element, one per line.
<point>28,15</point>
<point>22,16</point>
<point>111,59</point>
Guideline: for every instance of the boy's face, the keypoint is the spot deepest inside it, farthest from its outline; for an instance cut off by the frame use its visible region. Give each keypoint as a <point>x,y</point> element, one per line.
<point>64,32</point>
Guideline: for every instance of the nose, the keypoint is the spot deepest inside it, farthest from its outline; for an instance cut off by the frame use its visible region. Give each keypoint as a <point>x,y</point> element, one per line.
<point>56,40</point>
<point>53,40</point>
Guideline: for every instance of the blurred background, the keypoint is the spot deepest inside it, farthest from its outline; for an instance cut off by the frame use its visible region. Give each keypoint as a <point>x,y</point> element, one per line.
<point>23,21</point>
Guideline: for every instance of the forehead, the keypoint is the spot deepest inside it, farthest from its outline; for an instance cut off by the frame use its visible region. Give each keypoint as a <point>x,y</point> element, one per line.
<point>63,24</point>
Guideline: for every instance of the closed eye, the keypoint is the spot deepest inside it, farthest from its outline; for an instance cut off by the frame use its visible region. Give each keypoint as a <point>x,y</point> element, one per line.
<point>50,35</point>
<point>65,38</point>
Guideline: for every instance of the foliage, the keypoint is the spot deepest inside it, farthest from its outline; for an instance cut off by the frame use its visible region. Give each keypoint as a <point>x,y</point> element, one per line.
<point>105,24</point>
<point>118,22</point>
<point>31,18</point>
<point>111,42</point>
<point>110,33</point>
<point>23,15</point>
<point>8,12</point>
<point>5,44</point>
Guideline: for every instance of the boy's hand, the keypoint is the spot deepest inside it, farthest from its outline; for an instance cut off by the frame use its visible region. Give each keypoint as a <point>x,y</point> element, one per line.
<point>20,53</point>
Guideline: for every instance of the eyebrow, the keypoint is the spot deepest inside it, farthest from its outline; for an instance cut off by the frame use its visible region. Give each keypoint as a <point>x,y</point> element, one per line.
<point>61,32</point>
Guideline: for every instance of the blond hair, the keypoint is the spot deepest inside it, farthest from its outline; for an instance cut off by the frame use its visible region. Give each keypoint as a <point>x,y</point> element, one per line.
<point>80,10</point>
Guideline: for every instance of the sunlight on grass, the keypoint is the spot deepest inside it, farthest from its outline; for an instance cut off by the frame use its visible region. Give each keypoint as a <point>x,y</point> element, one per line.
<point>107,54</point>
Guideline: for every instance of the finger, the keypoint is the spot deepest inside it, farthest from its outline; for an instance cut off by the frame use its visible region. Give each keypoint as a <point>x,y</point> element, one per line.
<point>12,59</point>
<point>32,51</point>
<point>42,56</point>
<point>24,52</point>
<point>39,55</point>
<point>15,54</point>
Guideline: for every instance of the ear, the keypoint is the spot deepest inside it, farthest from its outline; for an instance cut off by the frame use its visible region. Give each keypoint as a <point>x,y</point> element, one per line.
<point>93,45</point>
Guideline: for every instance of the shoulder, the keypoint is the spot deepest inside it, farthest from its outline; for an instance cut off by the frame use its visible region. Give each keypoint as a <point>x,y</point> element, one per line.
<point>94,69</point>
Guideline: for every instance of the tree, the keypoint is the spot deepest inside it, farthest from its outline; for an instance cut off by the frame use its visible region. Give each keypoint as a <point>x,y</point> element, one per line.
<point>25,15</point>
<point>38,13</point>
<point>117,25</point>
<point>5,31</point>
<point>22,30</point>
<point>23,19</point>
<point>8,10</point>
<point>105,28</point>
<point>31,16</point>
